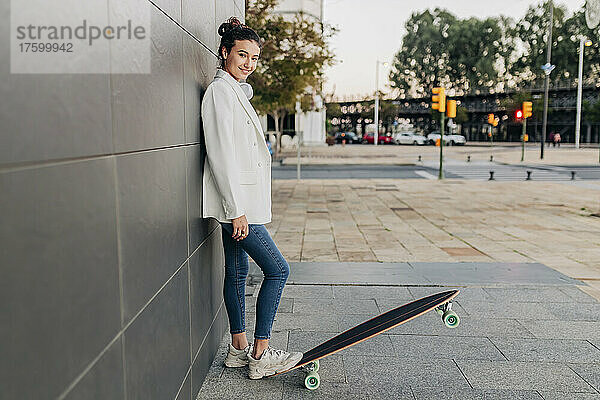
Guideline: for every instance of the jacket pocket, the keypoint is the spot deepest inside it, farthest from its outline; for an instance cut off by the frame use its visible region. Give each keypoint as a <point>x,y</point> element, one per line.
<point>248,178</point>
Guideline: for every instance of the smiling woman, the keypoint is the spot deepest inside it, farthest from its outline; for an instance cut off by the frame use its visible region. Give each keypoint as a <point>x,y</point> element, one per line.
<point>237,192</point>
<point>239,49</point>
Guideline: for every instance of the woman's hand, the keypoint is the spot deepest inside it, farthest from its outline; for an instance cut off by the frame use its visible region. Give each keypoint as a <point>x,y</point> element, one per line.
<point>240,228</point>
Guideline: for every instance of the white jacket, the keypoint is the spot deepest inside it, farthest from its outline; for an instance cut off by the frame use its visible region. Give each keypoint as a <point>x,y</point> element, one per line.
<point>237,168</point>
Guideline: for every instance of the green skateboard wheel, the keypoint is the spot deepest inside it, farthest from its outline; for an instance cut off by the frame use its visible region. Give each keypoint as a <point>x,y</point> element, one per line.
<point>451,319</point>
<point>312,381</point>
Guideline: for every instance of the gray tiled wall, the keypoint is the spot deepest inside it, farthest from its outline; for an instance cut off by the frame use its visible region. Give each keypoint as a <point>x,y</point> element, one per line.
<point>111,283</point>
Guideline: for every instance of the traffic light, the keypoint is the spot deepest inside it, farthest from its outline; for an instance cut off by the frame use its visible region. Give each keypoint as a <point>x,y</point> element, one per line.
<point>451,109</point>
<point>527,109</point>
<point>496,120</point>
<point>491,119</point>
<point>438,99</point>
<point>519,114</point>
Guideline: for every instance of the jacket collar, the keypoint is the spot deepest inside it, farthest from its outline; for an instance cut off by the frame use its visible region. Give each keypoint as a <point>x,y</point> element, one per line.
<point>221,74</point>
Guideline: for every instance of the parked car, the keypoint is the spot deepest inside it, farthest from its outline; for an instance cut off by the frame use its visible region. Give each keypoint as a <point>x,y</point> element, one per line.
<point>382,139</point>
<point>350,137</point>
<point>408,138</point>
<point>449,140</point>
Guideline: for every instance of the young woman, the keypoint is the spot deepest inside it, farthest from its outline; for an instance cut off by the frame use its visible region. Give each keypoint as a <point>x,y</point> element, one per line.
<point>237,192</point>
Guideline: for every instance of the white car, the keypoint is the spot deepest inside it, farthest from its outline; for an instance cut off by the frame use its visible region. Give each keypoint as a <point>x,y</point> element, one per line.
<point>408,138</point>
<point>449,140</point>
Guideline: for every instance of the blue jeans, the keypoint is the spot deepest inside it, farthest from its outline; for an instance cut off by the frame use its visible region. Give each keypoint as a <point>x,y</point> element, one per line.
<point>259,245</point>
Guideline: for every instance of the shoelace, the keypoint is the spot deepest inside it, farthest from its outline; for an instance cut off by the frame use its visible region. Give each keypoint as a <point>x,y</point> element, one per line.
<point>277,353</point>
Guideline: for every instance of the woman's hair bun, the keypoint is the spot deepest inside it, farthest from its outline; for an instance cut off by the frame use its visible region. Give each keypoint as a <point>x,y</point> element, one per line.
<point>229,25</point>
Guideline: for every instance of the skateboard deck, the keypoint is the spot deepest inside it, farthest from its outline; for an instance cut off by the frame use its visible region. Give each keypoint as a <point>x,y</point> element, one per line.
<point>442,302</point>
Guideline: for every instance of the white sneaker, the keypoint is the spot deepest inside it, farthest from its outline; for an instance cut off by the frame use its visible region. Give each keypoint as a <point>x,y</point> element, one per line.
<point>271,362</point>
<point>237,358</point>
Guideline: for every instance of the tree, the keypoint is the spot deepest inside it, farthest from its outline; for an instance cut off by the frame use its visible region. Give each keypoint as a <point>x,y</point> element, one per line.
<point>422,61</point>
<point>462,115</point>
<point>591,112</point>
<point>440,49</point>
<point>293,56</point>
<point>475,46</point>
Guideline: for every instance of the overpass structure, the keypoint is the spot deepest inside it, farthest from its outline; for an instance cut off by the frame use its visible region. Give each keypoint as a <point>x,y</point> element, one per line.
<point>561,114</point>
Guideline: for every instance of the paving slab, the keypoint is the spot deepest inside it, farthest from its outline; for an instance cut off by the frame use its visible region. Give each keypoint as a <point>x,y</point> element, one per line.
<point>439,347</point>
<point>523,376</point>
<point>570,396</point>
<point>475,394</point>
<point>286,305</point>
<point>510,310</point>
<point>326,306</point>
<point>373,292</point>
<point>547,350</point>
<point>386,371</point>
<point>354,273</point>
<point>547,329</point>
<point>419,273</point>
<point>232,389</point>
<point>531,295</point>
<point>479,273</point>
<point>516,340</point>
<point>308,291</point>
<point>347,391</point>
<point>575,311</point>
<point>466,293</point>
<point>589,372</point>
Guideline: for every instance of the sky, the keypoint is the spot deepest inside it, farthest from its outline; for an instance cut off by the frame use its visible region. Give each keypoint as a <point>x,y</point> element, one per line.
<point>372,30</point>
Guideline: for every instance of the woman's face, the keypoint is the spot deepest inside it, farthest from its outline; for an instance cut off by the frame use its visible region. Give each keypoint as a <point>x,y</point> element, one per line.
<point>242,59</point>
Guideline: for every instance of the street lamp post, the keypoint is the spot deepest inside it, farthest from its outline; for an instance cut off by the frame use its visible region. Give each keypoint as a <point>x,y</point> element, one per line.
<point>582,42</point>
<point>547,70</point>
<point>376,134</point>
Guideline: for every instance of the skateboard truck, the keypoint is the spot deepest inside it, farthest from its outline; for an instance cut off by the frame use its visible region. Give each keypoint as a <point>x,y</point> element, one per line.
<point>312,381</point>
<point>449,317</point>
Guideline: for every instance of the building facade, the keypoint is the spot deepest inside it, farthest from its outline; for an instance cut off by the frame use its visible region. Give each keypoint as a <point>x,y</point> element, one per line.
<point>111,280</point>
<point>311,123</point>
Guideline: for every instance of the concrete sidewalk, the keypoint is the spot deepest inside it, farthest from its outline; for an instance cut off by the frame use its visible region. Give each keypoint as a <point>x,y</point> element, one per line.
<point>387,220</point>
<point>517,340</point>
<point>525,255</point>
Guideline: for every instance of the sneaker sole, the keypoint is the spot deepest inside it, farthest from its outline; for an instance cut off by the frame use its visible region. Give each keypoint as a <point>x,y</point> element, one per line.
<point>235,363</point>
<point>268,372</point>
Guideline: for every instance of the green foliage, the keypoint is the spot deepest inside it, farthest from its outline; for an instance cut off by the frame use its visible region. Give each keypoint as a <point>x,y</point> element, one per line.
<point>591,112</point>
<point>423,59</point>
<point>293,56</point>
<point>466,55</point>
<point>462,115</point>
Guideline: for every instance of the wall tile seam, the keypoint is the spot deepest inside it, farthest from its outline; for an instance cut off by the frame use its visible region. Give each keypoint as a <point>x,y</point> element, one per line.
<point>132,320</point>
<point>183,28</point>
<point>87,369</point>
<point>204,241</point>
<point>187,373</point>
<point>119,334</point>
<point>17,167</point>
<point>208,331</point>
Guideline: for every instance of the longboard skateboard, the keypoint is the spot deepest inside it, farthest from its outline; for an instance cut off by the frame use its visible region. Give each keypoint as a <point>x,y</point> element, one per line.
<point>441,302</point>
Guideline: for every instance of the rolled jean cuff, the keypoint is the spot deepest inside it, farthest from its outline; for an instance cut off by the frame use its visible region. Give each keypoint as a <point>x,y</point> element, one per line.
<point>262,337</point>
<point>237,331</point>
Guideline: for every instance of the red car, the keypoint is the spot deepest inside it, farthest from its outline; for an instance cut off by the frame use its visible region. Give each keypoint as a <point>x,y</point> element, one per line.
<point>382,139</point>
